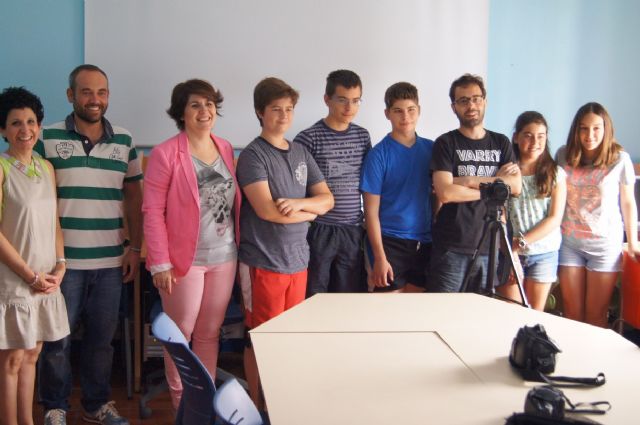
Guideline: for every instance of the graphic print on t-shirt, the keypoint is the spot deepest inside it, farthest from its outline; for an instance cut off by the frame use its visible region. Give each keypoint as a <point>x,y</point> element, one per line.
<point>342,176</point>
<point>301,173</point>
<point>479,155</point>
<point>584,203</point>
<point>116,154</point>
<point>213,200</point>
<point>64,149</point>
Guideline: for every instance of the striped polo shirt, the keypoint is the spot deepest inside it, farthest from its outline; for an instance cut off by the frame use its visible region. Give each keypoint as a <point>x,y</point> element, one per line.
<point>340,155</point>
<point>90,184</point>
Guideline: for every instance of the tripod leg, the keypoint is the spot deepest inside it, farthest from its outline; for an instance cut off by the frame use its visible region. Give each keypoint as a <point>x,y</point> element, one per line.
<point>511,262</point>
<point>491,272</point>
<point>474,260</point>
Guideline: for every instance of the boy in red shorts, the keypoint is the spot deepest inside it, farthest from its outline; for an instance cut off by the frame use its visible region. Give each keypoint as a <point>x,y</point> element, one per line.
<point>285,190</point>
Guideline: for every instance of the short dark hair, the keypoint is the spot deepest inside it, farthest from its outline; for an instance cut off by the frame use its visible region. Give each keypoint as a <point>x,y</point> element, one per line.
<point>400,91</point>
<point>464,81</point>
<point>180,97</point>
<point>270,89</point>
<point>342,77</point>
<point>84,67</point>
<point>19,98</point>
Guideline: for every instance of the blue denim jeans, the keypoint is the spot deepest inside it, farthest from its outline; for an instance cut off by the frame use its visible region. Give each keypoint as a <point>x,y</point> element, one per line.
<point>92,296</point>
<point>448,270</point>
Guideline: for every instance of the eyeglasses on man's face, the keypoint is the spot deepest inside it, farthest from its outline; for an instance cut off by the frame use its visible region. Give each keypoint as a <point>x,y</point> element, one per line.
<point>466,101</point>
<point>346,101</point>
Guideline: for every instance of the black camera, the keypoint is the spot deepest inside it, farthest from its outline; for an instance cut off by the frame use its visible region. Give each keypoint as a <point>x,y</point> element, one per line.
<point>545,401</point>
<point>496,192</point>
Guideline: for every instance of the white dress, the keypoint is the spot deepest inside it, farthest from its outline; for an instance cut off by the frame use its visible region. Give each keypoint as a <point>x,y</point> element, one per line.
<point>28,221</point>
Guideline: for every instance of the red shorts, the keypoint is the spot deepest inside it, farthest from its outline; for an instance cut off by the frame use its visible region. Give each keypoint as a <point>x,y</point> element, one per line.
<point>273,293</point>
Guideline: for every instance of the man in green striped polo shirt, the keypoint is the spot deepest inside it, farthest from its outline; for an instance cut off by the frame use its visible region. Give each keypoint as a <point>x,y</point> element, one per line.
<point>98,175</point>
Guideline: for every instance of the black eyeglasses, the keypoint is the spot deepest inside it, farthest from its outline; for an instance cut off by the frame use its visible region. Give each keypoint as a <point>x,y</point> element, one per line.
<point>465,101</point>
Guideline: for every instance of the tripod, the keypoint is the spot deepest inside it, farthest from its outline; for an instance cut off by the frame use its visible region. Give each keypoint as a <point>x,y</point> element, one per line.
<point>493,226</point>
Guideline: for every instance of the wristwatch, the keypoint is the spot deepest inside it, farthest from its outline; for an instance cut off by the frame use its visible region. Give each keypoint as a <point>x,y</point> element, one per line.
<point>522,242</point>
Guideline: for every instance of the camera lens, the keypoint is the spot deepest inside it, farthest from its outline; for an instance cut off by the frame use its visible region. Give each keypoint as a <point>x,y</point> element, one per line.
<point>501,191</point>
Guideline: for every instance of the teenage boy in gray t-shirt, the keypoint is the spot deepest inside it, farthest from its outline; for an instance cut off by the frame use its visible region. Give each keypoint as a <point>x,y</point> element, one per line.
<point>284,190</point>
<point>339,147</point>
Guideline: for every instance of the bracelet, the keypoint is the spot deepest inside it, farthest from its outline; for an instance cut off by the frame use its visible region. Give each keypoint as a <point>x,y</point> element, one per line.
<point>61,260</point>
<point>138,250</point>
<point>35,280</point>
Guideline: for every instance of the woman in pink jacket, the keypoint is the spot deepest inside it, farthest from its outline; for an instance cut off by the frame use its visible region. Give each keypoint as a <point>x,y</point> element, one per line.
<point>191,208</point>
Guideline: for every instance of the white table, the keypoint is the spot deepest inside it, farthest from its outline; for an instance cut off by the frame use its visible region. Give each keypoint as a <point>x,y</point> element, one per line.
<point>425,358</point>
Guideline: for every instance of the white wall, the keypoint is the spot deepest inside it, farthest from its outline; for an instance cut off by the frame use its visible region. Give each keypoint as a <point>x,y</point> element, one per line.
<point>547,55</point>
<point>147,46</point>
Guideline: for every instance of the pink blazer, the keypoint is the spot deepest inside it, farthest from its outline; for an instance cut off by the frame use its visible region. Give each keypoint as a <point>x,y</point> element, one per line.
<point>171,204</point>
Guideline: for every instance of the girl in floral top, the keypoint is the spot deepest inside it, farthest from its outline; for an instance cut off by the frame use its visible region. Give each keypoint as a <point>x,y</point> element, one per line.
<point>600,207</point>
<point>536,214</point>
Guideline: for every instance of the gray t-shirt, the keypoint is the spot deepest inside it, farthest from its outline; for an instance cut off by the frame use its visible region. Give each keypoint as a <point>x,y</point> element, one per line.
<point>280,248</point>
<point>216,241</point>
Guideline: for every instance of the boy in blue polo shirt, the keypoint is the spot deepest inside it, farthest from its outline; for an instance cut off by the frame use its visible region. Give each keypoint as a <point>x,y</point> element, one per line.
<point>396,184</point>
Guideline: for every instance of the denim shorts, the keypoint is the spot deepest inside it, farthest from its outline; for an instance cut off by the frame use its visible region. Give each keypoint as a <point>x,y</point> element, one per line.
<point>604,262</point>
<point>541,268</point>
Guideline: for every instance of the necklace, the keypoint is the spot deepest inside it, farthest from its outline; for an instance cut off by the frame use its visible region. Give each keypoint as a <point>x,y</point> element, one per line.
<point>33,170</point>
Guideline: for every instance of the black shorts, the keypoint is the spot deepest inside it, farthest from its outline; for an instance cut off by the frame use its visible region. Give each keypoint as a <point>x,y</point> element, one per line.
<point>409,259</point>
<point>335,262</point>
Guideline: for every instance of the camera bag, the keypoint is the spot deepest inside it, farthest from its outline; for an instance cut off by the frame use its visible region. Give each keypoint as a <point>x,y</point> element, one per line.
<point>533,356</point>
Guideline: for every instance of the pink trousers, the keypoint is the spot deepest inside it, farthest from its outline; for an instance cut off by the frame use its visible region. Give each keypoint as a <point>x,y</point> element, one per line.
<point>197,303</point>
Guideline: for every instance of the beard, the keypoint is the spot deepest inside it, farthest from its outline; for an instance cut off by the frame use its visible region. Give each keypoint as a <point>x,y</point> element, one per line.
<point>471,122</point>
<point>89,116</point>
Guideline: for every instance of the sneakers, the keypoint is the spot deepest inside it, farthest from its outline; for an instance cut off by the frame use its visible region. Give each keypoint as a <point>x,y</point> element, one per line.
<point>107,414</point>
<point>55,417</point>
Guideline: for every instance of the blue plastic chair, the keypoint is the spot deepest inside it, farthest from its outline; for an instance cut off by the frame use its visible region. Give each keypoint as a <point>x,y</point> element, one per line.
<point>234,406</point>
<point>199,392</point>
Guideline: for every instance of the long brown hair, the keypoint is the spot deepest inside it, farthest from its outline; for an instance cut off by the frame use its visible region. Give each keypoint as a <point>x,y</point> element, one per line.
<point>546,168</point>
<point>609,149</point>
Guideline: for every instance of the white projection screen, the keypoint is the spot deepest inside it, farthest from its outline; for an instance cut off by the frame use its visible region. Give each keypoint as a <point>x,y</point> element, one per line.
<point>148,46</point>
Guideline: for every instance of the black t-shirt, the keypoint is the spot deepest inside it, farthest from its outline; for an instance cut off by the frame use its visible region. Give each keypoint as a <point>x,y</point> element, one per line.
<point>458,226</point>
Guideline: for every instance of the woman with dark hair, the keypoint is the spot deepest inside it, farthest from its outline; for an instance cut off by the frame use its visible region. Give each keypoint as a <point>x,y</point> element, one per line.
<point>191,208</point>
<point>536,214</point>
<point>32,264</point>
<point>600,179</point>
